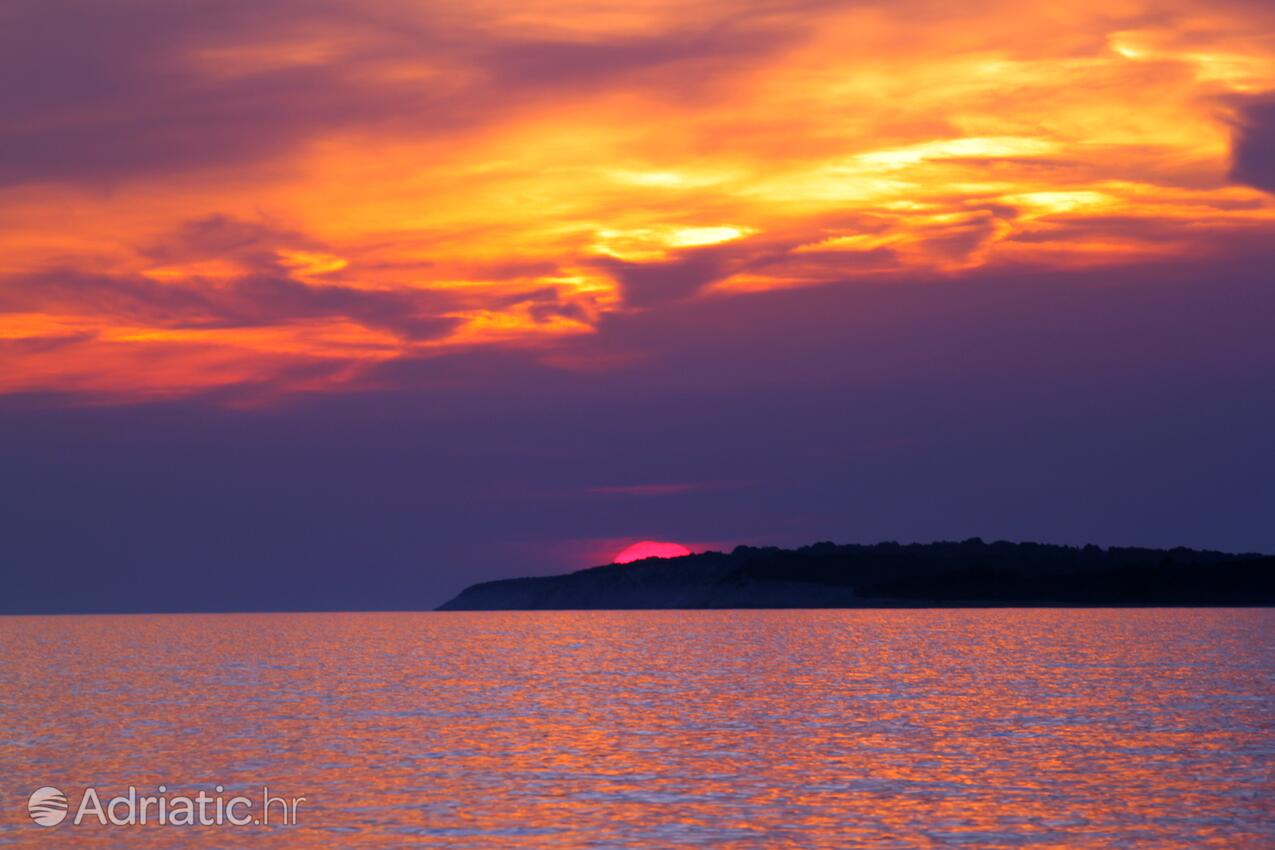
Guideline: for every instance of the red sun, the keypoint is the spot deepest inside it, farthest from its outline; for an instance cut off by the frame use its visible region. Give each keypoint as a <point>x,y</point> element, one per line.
<point>650,549</point>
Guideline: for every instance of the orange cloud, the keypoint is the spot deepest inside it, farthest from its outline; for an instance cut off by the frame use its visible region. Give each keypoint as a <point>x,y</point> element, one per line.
<point>286,198</point>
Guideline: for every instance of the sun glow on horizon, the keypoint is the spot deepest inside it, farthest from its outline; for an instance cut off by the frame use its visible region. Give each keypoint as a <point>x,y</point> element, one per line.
<point>650,549</point>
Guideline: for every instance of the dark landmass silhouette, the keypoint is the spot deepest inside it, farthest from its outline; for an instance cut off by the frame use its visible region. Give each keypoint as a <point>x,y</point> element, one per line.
<point>888,575</point>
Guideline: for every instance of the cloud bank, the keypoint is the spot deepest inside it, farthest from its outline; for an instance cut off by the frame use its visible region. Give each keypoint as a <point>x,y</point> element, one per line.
<point>206,197</point>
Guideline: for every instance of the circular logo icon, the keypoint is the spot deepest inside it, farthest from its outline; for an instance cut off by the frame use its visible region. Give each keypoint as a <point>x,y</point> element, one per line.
<point>47,806</point>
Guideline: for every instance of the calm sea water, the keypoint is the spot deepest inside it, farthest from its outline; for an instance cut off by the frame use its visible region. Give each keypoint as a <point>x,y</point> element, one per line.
<point>837,729</point>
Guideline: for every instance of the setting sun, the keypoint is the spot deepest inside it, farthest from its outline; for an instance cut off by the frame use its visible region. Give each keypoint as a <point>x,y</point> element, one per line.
<point>650,549</point>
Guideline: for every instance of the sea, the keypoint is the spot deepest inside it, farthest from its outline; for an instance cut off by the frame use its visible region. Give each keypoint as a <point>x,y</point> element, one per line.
<point>972,728</point>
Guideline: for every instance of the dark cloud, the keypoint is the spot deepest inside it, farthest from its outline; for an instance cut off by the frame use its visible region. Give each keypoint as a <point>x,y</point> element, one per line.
<point>223,236</point>
<point>109,90</point>
<point>1253,144</point>
<point>690,270</point>
<point>693,55</point>
<point>44,344</point>
<point>262,296</point>
<point>649,283</point>
<point>1207,238</point>
<point>251,301</point>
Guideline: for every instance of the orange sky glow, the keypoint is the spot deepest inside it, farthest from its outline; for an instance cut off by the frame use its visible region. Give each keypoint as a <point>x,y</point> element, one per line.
<point>296,199</point>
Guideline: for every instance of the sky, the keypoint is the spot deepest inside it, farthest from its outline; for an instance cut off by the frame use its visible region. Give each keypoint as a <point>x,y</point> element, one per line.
<point>346,305</point>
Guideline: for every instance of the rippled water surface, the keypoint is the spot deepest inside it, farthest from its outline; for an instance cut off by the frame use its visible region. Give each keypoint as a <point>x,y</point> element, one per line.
<point>837,729</point>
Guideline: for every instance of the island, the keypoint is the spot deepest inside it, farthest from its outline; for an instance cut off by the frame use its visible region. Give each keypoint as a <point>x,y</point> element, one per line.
<point>888,575</point>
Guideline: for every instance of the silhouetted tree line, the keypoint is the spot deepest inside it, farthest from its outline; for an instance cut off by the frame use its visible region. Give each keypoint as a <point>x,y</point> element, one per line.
<point>968,572</point>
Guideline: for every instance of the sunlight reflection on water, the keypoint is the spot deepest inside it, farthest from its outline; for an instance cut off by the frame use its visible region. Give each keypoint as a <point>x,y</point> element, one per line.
<point>974,728</point>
